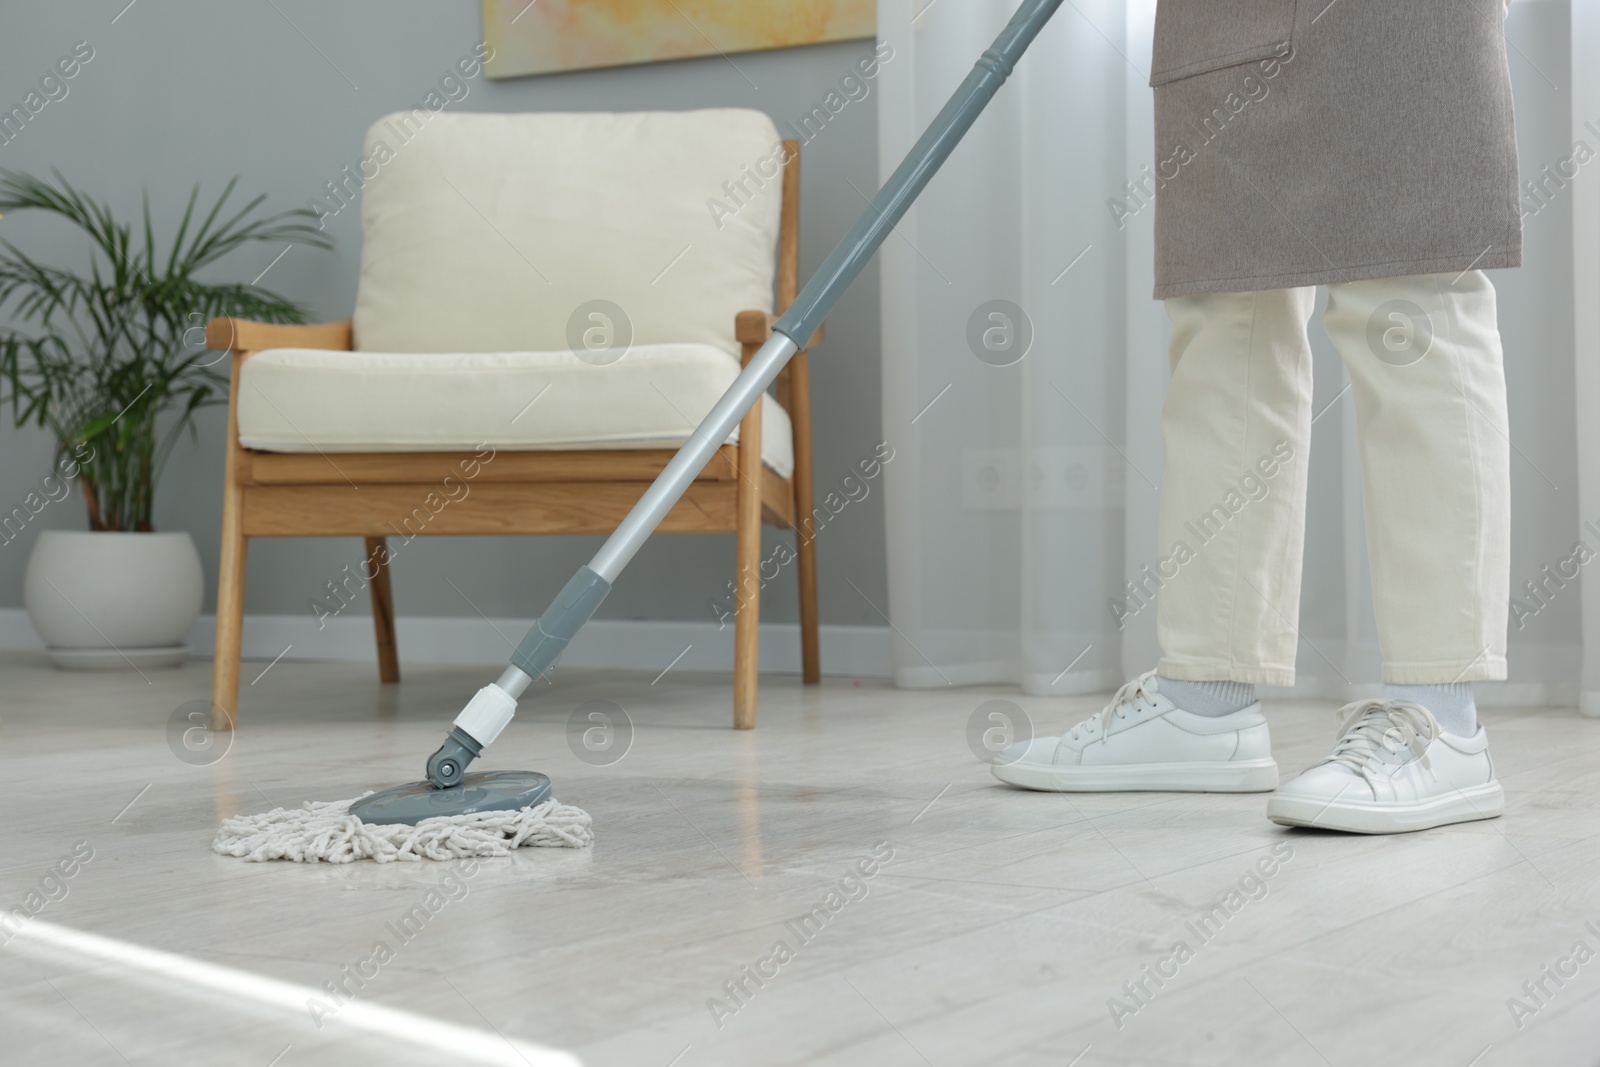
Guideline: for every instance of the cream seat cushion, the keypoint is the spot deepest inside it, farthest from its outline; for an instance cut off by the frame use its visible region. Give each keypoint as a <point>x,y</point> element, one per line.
<point>309,400</point>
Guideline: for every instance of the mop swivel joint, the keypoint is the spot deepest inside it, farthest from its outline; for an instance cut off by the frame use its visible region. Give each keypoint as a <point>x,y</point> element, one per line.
<point>492,707</point>
<point>446,766</point>
<point>475,729</point>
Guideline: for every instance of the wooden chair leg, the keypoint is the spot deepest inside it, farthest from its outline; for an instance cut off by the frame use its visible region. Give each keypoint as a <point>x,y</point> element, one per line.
<point>805,540</point>
<point>747,573</point>
<point>230,611</point>
<point>230,571</point>
<point>383,609</point>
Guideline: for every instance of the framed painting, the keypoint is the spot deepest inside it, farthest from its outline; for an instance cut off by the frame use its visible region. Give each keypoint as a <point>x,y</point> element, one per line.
<point>547,36</point>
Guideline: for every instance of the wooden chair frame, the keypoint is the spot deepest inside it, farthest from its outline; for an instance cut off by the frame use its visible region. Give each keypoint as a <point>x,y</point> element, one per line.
<point>361,494</point>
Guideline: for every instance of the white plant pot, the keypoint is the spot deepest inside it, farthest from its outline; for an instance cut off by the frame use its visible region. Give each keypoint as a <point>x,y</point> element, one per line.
<point>104,601</point>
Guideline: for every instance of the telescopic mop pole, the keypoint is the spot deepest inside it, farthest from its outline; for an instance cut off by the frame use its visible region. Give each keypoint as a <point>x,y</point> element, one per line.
<point>493,706</point>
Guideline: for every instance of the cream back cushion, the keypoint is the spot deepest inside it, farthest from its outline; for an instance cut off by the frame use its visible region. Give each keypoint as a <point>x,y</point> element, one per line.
<point>491,233</point>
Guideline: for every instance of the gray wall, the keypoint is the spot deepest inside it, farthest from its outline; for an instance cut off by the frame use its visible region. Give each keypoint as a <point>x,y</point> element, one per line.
<point>182,90</point>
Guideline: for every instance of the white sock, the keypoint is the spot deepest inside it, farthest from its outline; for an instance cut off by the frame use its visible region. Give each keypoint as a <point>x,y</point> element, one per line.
<point>1211,699</point>
<point>1452,705</point>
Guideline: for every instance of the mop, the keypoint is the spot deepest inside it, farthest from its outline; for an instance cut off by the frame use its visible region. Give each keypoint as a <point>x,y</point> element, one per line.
<point>454,813</point>
<point>487,814</point>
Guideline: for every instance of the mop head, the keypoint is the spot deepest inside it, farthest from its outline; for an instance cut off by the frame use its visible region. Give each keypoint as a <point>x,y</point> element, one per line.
<point>328,833</point>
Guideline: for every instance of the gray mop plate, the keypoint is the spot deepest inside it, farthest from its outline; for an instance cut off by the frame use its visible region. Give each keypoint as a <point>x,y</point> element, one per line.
<point>479,791</point>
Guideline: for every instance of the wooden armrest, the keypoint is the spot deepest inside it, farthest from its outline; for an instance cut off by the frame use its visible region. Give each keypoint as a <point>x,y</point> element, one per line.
<point>242,335</point>
<point>754,327</point>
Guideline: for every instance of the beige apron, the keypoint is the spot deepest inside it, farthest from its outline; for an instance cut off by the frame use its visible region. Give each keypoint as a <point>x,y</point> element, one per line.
<point>1302,143</point>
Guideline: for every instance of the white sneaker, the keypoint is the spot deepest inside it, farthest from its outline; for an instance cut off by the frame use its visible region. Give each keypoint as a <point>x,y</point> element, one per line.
<point>1142,740</point>
<point>1393,769</point>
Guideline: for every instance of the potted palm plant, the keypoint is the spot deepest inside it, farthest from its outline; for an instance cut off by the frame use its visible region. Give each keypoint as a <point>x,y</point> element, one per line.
<point>110,358</point>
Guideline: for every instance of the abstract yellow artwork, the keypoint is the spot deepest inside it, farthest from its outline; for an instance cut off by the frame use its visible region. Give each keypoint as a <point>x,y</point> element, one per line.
<point>546,36</point>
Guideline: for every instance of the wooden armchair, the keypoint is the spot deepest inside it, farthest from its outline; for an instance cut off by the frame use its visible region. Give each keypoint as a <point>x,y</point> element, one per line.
<point>333,489</point>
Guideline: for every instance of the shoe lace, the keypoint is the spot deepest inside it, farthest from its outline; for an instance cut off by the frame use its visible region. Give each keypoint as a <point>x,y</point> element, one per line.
<point>1368,727</point>
<point>1131,692</point>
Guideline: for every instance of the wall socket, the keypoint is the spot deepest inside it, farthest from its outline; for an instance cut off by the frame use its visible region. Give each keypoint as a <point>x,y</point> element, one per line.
<point>1053,479</point>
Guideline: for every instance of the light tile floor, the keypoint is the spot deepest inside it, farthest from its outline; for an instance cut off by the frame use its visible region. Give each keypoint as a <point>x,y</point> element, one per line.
<point>997,934</point>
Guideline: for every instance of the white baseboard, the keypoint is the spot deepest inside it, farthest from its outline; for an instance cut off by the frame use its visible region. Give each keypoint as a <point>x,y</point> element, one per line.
<point>847,651</point>
<point>16,633</point>
<point>1546,676</point>
<point>1543,675</point>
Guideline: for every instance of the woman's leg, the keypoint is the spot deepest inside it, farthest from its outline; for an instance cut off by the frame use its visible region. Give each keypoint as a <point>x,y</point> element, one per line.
<point>1236,421</point>
<point>1236,424</point>
<point>1424,358</point>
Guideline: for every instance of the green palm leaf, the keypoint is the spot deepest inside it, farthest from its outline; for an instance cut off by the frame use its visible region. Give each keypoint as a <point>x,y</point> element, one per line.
<point>99,357</point>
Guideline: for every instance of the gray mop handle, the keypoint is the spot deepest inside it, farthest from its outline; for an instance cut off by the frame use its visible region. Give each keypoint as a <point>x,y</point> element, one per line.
<point>839,270</point>
<point>491,709</point>
<point>582,595</point>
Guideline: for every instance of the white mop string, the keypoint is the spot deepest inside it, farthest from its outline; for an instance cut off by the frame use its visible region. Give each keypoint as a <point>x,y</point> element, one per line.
<point>326,832</point>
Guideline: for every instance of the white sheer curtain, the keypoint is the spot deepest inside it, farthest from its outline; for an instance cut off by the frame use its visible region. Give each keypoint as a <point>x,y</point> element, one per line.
<point>1006,509</point>
<point>1023,497</point>
<point>1585,39</point>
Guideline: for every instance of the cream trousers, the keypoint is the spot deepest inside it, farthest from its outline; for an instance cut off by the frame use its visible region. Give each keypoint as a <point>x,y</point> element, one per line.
<point>1423,355</point>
